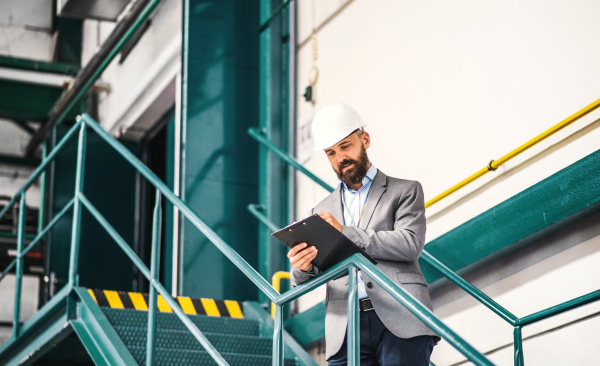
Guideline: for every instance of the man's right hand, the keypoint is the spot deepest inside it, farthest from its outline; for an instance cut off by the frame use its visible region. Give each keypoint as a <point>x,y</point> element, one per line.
<point>301,257</point>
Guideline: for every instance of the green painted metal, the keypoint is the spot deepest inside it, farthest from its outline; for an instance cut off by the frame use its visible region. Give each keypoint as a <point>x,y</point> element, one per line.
<point>31,102</point>
<point>83,91</point>
<point>115,198</point>
<point>274,120</point>
<point>397,292</point>
<point>39,237</point>
<point>538,210</point>
<point>260,137</point>
<point>219,164</point>
<point>257,211</point>
<point>518,347</point>
<point>353,328</point>
<point>75,234</point>
<point>185,210</point>
<point>308,326</point>
<point>292,349</point>
<point>41,66</point>
<point>560,308</point>
<point>46,338</point>
<point>36,173</point>
<point>97,334</point>
<point>470,289</point>
<point>350,264</point>
<point>154,271</point>
<point>584,172</point>
<point>275,13</point>
<point>278,337</point>
<point>19,271</point>
<point>42,204</point>
<point>13,160</point>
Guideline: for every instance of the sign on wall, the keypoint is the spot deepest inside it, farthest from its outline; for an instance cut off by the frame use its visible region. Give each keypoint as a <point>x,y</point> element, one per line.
<point>304,139</point>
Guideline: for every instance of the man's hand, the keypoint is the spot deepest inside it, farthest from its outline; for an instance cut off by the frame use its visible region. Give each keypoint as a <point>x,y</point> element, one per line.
<point>331,220</point>
<point>301,257</point>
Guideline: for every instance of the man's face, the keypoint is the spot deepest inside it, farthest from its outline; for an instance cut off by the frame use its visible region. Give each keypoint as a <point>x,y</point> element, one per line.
<point>349,158</point>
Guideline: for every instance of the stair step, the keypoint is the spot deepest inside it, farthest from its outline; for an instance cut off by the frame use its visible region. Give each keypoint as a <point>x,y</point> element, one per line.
<point>184,340</point>
<point>169,356</point>
<point>222,325</point>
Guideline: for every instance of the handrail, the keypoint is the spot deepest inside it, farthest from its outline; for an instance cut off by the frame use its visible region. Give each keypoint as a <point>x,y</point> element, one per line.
<point>494,164</point>
<point>397,292</point>
<point>517,323</point>
<point>259,136</point>
<point>121,34</point>
<point>276,283</point>
<point>233,256</point>
<point>350,265</point>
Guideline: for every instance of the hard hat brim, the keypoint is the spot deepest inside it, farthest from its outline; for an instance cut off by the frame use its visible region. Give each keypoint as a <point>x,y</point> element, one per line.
<point>335,139</point>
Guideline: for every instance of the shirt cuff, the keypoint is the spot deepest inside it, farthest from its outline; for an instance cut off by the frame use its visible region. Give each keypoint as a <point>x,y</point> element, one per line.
<point>310,271</point>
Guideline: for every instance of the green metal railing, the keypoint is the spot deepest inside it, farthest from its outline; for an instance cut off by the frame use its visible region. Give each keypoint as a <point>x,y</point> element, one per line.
<point>79,201</point>
<point>517,323</point>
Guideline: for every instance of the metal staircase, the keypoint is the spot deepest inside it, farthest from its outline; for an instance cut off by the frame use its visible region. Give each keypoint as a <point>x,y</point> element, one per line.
<point>124,337</point>
<point>238,340</point>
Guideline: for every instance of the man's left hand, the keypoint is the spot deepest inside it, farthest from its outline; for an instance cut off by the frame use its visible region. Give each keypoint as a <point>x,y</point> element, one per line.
<point>331,220</point>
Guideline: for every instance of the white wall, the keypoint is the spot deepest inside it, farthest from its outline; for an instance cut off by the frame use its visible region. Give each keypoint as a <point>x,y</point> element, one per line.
<point>13,141</point>
<point>447,86</point>
<point>148,72</point>
<point>25,29</point>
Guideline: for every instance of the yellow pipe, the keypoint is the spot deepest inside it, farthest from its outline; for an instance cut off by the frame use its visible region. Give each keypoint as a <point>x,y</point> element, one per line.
<point>496,163</point>
<point>276,282</point>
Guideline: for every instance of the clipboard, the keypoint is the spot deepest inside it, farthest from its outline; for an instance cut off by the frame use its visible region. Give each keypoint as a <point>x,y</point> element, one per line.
<point>333,246</point>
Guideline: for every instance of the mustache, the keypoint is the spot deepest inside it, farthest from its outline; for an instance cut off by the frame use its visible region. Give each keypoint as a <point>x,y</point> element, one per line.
<point>345,162</point>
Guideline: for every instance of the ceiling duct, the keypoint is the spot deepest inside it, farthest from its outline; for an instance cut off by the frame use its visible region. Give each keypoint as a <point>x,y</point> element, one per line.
<point>91,9</point>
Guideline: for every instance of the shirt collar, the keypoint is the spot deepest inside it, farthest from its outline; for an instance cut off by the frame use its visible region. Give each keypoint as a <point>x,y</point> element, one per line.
<point>371,173</point>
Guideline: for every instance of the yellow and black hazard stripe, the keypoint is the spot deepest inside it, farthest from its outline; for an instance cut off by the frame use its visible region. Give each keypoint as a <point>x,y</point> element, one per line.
<point>191,306</point>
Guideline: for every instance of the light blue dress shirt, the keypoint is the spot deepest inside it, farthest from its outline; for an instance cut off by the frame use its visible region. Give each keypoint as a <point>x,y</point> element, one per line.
<point>353,206</point>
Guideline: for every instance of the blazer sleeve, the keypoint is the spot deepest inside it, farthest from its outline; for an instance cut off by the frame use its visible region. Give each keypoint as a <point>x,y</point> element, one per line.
<point>404,243</point>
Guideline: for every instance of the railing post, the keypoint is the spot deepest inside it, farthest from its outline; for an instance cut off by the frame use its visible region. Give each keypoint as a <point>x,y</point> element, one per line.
<point>518,347</point>
<point>154,271</point>
<point>19,270</point>
<point>278,337</point>
<point>73,280</point>
<point>353,320</point>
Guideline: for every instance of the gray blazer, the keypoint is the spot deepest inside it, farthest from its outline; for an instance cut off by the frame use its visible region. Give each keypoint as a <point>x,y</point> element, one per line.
<point>392,231</point>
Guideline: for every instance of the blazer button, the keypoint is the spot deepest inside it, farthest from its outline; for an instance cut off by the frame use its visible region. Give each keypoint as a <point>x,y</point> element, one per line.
<point>369,285</point>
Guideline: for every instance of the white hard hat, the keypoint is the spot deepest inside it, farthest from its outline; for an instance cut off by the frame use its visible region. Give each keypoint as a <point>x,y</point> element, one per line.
<point>333,123</point>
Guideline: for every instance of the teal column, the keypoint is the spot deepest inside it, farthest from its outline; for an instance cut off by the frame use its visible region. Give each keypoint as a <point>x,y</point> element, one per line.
<point>219,164</point>
<point>275,125</point>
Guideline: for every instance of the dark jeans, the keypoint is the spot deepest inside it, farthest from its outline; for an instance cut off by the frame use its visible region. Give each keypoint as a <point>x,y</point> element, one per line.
<point>378,346</point>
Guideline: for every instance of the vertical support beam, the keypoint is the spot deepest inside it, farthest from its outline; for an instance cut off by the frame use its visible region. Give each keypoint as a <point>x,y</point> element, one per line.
<point>154,271</point>
<point>220,66</point>
<point>75,234</point>
<point>278,337</point>
<point>518,347</point>
<point>353,320</point>
<point>19,270</point>
<point>274,122</point>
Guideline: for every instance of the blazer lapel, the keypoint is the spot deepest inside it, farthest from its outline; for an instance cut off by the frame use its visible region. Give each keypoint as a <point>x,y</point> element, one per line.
<point>335,203</point>
<point>378,187</point>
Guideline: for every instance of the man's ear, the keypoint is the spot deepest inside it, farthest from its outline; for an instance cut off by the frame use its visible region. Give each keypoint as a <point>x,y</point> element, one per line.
<point>366,139</point>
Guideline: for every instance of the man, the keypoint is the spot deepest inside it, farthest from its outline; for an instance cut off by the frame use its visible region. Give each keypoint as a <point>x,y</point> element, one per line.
<point>385,216</point>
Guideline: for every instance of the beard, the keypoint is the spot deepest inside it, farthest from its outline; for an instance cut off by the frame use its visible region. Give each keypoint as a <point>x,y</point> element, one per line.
<point>355,174</point>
